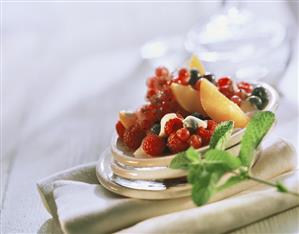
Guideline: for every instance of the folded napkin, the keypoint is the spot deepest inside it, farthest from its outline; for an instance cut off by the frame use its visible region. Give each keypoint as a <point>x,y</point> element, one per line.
<point>82,205</point>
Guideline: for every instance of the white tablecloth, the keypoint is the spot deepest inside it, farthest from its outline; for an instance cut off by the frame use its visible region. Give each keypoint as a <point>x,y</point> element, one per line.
<point>60,106</point>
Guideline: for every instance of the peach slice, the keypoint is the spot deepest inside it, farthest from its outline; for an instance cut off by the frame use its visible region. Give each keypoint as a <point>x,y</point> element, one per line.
<point>197,64</point>
<point>219,107</point>
<point>188,98</point>
<point>127,118</point>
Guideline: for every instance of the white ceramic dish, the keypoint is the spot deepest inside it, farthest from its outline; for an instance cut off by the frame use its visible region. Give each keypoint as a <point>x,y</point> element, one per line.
<point>125,157</point>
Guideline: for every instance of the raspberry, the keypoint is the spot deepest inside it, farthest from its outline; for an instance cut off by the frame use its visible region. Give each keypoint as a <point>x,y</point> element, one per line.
<point>148,115</point>
<point>183,134</point>
<point>205,135</point>
<point>212,125</point>
<point>236,99</point>
<point>120,129</point>
<point>195,141</point>
<point>175,144</point>
<point>153,145</point>
<point>133,136</point>
<point>173,125</point>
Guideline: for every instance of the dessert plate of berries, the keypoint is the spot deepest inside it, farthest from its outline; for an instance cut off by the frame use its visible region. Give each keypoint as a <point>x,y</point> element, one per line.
<point>183,109</point>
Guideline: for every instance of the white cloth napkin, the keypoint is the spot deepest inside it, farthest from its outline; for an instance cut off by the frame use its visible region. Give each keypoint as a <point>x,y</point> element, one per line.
<point>83,206</point>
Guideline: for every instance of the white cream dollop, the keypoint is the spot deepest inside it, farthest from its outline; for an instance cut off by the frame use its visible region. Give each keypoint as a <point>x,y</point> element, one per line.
<point>193,122</point>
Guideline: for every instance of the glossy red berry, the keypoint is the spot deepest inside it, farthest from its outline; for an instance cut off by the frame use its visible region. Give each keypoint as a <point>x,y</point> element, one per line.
<point>224,81</point>
<point>211,125</point>
<point>173,125</point>
<point>176,145</point>
<point>248,88</point>
<point>183,134</point>
<point>153,145</point>
<point>120,129</point>
<point>133,136</point>
<point>161,71</point>
<point>183,76</point>
<point>195,141</point>
<point>183,73</point>
<point>227,90</point>
<point>236,99</point>
<point>205,134</point>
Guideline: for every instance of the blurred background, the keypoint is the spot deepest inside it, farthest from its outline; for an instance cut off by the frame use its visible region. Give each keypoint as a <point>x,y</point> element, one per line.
<point>69,67</point>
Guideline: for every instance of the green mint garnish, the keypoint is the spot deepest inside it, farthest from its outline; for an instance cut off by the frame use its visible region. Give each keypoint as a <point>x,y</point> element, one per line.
<point>219,156</point>
<point>192,155</point>
<point>221,135</point>
<point>205,171</point>
<point>255,131</point>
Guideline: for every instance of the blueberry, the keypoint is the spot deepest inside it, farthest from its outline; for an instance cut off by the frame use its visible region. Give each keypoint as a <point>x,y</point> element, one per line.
<point>193,77</point>
<point>156,129</point>
<point>210,77</point>
<point>257,101</point>
<point>260,92</point>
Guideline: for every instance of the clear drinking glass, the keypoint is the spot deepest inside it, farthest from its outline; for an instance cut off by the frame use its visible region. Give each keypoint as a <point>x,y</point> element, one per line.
<point>242,44</point>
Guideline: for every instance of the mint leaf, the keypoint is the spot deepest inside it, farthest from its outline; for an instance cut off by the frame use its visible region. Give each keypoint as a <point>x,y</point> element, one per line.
<point>201,194</point>
<point>225,158</point>
<point>192,155</point>
<point>221,135</point>
<point>204,177</point>
<point>255,131</point>
<point>198,174</point>
<point>184,159</point>
<point>180,161</point>
<point>230,182</point>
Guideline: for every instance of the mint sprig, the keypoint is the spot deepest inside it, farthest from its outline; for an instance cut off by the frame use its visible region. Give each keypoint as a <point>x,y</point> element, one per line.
<point>205,171</point>
<point>256,130</point>
<point>221,135</point>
